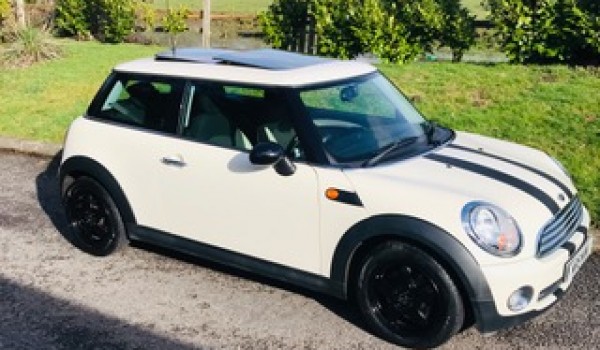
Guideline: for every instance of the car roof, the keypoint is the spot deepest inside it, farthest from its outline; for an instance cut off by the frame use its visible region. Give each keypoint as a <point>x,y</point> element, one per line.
<point>256,67</point>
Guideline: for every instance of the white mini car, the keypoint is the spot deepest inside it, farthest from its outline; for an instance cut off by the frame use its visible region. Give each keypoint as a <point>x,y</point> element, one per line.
<point>320,173</point>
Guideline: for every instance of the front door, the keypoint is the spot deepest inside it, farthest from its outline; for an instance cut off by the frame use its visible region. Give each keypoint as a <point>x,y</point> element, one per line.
<point>210,192</point>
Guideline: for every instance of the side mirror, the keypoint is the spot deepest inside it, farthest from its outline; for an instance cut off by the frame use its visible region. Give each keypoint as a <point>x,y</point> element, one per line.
<point>270,153</point>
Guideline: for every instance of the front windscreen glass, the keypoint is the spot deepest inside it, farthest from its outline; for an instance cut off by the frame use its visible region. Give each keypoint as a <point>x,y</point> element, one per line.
<point>365,120</point>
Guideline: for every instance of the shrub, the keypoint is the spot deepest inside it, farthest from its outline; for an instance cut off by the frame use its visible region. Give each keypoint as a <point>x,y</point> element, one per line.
<point>548,31</point>
<point>30,45</point>
<point>72,18</point>
<point>107,20</point>
<point>4,9</point>
<point>458,28</point>
<point>145,15</point>
<point>174,23</point>
<point>112,20</point>
<point>394,31</point>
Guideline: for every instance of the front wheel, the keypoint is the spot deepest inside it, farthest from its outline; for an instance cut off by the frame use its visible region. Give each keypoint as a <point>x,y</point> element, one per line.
<point>95,222</point>
<point>407,297</point>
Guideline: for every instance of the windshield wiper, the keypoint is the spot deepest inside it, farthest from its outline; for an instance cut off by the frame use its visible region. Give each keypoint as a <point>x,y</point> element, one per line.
<point>386,150</point>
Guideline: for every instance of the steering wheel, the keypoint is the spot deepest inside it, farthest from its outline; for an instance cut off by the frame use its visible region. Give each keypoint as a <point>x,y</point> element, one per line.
<point>351,139</point>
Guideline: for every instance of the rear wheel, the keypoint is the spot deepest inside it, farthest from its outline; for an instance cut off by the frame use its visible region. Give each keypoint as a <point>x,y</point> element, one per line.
<point>407,297</point>
<point>95,222</point>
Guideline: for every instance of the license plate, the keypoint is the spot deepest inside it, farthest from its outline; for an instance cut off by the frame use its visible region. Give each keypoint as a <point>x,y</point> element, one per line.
<point>574,265</point>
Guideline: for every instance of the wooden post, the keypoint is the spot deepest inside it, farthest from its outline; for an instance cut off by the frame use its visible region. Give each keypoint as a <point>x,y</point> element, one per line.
<point>20,12</point>
<point>206,24</point>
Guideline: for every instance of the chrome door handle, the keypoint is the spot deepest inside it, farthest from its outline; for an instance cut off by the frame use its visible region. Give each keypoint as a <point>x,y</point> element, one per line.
<point>173,161</point>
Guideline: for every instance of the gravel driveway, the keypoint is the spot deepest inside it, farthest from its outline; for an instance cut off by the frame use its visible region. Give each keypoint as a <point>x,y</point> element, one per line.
<point>54,297</point>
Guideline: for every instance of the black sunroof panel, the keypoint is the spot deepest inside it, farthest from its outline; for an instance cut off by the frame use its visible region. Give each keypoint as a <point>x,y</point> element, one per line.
<point>269,59</point>
<point>264,58</point>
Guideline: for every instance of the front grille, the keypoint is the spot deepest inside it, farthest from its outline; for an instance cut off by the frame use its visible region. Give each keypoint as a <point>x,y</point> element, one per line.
<point>560,228</point>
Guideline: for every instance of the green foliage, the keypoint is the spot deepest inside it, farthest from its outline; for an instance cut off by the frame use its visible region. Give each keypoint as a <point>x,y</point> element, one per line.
<point>145,15</point>
<point>458,28</point>
<point>72,18</point>
<point>29,45</point>
<point>283,21</point>
<point>112,20</point>
<point>107,20</point>
<point>174,23</point>
<point>4,9</point>
<point>174,20</point>
<point>394,31</point>
<point>548,31</point>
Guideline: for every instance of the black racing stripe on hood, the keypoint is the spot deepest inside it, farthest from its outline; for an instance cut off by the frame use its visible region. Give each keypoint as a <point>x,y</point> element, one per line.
<point>499,176</point>
<point>550,178</point>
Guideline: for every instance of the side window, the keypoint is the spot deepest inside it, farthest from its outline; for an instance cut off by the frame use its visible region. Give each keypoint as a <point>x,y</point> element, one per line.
<point>211,119</point>
<point>151,103</point>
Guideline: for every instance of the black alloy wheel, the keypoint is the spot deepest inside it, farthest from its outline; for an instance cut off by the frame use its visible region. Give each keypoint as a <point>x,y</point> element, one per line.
<point>96,225</point>
<point>407,297</point>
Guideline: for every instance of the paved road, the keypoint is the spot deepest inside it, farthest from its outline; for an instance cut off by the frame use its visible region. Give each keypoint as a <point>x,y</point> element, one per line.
<point>55,297</point>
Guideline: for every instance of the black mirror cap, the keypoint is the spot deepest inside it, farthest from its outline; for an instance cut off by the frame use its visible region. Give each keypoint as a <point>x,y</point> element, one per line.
<point>271,153</point>
<point>266,153</point>
<point>285,167</point>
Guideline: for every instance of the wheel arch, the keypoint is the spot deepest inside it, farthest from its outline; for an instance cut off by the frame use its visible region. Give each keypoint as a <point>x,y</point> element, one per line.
<point>78,166</point>
<point>449,252</point>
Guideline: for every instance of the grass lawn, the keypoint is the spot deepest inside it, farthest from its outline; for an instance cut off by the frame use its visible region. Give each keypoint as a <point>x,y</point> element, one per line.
<point>554,108</point>
<point>231,6</point>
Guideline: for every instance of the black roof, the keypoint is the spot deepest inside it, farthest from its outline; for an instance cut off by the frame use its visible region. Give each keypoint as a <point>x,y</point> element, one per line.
<point>263,58</point>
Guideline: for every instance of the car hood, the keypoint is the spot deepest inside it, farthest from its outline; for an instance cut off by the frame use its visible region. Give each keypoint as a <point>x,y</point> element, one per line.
<point>435,186</point>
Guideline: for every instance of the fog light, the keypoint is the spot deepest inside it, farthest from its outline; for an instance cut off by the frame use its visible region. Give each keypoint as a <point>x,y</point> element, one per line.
<point>520,298</point>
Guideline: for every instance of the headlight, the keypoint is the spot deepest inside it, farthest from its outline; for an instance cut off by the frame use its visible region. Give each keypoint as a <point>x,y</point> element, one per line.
<point>562,167</point>
<point>492,229</point>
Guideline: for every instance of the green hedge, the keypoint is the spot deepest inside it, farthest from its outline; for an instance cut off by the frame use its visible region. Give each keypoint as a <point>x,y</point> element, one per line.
<point>548,31</point>
<point>106,20</point>
<point>393,31</point>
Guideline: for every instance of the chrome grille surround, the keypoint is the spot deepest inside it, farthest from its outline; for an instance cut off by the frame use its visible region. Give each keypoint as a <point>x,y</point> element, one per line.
<point>560,229</point>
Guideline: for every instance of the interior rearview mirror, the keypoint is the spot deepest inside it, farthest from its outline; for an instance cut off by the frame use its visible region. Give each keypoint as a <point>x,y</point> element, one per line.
<point>349,93</point>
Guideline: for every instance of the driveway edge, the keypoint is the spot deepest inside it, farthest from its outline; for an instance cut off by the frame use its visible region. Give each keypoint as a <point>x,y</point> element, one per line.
<point>29,147</point>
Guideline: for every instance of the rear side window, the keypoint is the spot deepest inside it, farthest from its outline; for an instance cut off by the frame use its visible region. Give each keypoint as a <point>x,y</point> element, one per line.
<point>147,102</point>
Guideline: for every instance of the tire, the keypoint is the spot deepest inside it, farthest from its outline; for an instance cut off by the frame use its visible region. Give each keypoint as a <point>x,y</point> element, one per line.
<point>407,297</point>
<point>95,222</point>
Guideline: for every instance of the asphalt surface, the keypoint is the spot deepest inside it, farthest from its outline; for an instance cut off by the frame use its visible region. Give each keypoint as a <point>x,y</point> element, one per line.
<point>53,296</point>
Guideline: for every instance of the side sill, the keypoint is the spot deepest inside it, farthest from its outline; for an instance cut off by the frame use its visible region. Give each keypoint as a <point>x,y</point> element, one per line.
<point>239,261</point>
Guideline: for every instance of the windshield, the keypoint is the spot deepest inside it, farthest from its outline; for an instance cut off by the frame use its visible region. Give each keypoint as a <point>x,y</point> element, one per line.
<point>364,119</point>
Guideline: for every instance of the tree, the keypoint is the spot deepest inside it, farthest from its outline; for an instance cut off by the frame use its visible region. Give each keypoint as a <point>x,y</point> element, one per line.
<point>548,31</point>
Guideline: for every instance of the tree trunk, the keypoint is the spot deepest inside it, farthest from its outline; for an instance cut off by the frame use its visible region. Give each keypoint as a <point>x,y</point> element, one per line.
<point>20,12</point>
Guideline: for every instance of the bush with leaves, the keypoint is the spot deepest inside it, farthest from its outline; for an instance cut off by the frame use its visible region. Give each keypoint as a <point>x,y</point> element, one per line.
<point>548,31</point>
<point>29,45</point>
<point>174,23</point>
<point>394,31</point>
<point>457,31</point>
<point>5,9</point>
<point>145,15</point>
<point>72,18</point>
<point>107,20</point>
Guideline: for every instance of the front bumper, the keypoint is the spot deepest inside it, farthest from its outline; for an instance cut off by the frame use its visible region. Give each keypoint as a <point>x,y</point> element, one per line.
<point>549,284</point>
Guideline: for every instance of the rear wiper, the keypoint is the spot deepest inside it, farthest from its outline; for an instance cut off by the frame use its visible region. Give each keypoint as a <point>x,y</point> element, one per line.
<point>386,150</point>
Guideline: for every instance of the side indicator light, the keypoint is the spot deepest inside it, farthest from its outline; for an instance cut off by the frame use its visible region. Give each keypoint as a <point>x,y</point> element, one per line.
<point>332,194</point>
